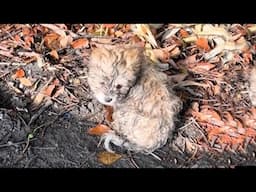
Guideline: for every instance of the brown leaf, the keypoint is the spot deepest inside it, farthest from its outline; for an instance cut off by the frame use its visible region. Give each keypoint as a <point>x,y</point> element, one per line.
<point>17,38</point>
<point>99,130</point>
<point>26,82</point>
<point>28,40</point>
<point>26,31</point>
<point>54,54</point>
<point>48,91</point>
<point>19,73</point>
<point>52,41</point>
<point>108,158</point>
<point>183,33</point>
<point>109,112</point>
<point>203,43</point>
<point>80,43</point>
<point>109,25</point>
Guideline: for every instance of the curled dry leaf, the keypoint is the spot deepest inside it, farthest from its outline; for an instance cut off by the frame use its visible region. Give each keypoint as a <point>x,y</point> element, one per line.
<point>19,73</point>
<point>183,33</point>
<point>54,54</point>
<point>80,43</point>
<point>109,112</point>
<point>109,25</point>
<point>52,41</point>
<point>26,82</point>
<point>203,43</point>
<point>99,130</point>
<point>108,158</point>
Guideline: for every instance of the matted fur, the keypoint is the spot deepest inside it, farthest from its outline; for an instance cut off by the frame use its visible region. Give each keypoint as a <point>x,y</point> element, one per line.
<point>144,108</point>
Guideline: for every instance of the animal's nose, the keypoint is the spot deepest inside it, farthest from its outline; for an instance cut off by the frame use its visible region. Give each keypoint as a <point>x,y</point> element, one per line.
<point>108,99</point>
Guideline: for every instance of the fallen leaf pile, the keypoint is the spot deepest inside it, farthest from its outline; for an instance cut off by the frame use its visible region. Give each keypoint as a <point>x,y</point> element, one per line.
<point>210,64</point>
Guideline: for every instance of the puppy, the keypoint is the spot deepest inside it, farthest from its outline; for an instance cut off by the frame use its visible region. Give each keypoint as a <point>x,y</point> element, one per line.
<point>143,108</point>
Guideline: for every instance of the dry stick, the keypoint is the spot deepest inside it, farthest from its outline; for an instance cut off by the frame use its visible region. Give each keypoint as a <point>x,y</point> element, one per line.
<point>40,111</point>
<point>134,163</point>
<point>15,144</point>
<point>27,128</point>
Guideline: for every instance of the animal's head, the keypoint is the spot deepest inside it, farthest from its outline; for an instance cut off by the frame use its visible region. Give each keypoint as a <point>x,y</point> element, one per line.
<point>113,71</point>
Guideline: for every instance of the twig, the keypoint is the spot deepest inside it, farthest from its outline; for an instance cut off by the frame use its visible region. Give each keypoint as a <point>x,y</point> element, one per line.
<point>27,128</point>
<point>194,154</point>
<point>134,163</point>
<point>9,143</point>
<point>40,111</point>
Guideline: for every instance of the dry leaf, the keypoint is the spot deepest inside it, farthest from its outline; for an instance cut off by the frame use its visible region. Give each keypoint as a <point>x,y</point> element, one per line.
<point>80,43</point>
<point>26,82</point>
<point>52,41</point>
<point>28,40</point>
<point>17,38</point>
<point>19,73</point>
<point>26,31</point>
<point>183,33</point>
<point>48,91</point>
<point>109,112</point>
<point>100,129</point>
<point>38,98</point>
<point>109,25</point>
<point>54,54</point>
<point>108,158</point>
<point>203,43</point>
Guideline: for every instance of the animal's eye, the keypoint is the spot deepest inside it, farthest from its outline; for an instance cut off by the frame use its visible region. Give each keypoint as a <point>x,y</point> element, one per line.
<point>102,83</point>
<point>119,86</point>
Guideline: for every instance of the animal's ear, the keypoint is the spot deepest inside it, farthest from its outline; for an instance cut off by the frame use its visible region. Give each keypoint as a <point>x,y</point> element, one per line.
<point>99,54</point>
<point>134,56</point>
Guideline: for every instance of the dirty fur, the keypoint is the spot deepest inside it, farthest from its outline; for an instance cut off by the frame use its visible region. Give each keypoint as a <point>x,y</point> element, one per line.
<point>144,108</point>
